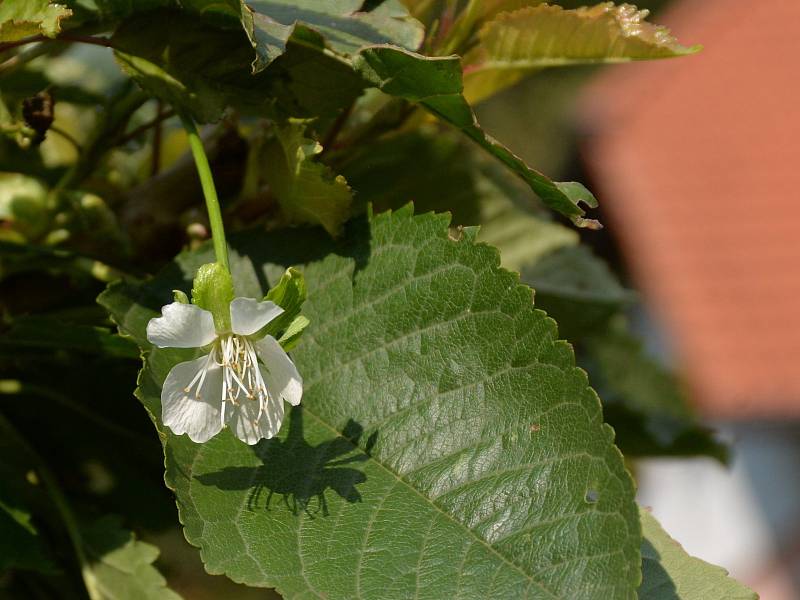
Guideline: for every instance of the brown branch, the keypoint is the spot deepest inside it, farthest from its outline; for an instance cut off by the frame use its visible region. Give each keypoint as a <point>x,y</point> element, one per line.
<point>142,128</point>
<point>66,136</point>
<point>337,126</point>
<point>155,154</point>
<point>64,37</point>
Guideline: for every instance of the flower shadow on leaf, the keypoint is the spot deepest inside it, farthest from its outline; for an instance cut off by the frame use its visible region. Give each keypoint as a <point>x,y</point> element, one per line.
<point>298,472</point>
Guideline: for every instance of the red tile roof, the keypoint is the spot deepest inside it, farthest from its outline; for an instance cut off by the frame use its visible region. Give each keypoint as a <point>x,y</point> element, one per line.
<point>696,162</point>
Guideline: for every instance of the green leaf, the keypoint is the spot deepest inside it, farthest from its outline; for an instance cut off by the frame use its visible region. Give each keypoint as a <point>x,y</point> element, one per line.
<point>21,547</point>
<point>519,42</point>
<point>521,237</point>
<point>179,61</point>
<point>109,11</point>
<point>121,566</point>
<point>669,573</point>
<point>291,337</point>
<point>426,166</point>
<point>289,294</point>
<point>343,24</point>
<point>212,290</point>
<point>446,443</point>
<point>24,207</point>
<point>225,14</point>
<point>449,174</point>
<point>22,18</point>
<point>435,83</point>
<point>475,13</point>
<point>14,128</point>
<point>577,289</point>
<point>307,190</point>
<point>646,403</point>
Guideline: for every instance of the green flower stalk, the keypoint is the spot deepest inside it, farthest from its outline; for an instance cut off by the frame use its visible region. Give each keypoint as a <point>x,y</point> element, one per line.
<point>209,191</point>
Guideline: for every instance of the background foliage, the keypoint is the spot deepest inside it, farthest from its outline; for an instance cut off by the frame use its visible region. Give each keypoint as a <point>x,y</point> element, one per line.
<point>449,442</point>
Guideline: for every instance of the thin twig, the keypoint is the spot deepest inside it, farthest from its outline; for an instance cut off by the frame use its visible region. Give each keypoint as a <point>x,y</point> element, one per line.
<point>337,126</point>
<point>142,128</point>
<point>112,121</point>
<point>22,58</point>
<point>66,136</point>
<point>86,39</point>
<point>155,154</point>
<point>64,37</point>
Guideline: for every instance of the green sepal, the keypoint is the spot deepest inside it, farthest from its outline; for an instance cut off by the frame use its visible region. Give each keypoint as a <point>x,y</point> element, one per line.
<point>212,290</point>
<point>292,334</point>
<point>289,294</point>
<point>180,296</point>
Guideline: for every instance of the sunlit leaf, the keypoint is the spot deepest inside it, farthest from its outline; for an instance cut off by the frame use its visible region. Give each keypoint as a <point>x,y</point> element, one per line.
<point>516,43</point>
<point>669,573</point>
<point>446,443</point>
<point>121,566</point>
<point>343,24</point>
<point>307,190</point>
<point>22,18</point>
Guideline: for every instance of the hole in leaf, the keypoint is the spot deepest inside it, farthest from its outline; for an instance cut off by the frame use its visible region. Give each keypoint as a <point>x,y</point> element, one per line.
<point>592,496</point>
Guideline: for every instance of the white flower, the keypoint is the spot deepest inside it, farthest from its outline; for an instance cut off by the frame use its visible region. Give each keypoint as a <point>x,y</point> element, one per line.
<point>242,382</point>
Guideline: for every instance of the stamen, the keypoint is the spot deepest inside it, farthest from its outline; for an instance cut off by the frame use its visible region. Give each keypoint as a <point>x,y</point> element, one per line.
<point>242,379</point>
<point>201,376</point>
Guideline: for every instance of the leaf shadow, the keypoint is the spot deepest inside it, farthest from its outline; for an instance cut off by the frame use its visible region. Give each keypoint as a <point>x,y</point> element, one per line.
<point>656,580</point>
<point>298,472</point>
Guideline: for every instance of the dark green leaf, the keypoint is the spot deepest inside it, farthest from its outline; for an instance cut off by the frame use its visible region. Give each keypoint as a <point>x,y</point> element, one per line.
<point>41,332</point>
<point>669,573</point>
<point>436,84</point>
<point>179,61</point>
<point>644,401</point>
<point>439,171</point>
<point>446,444</point>
<point>221,13</point>
<point>21,547</point>
<point>577,289</point>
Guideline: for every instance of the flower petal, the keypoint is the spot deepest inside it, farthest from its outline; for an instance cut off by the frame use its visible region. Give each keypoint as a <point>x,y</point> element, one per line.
<point>187,409</point>
<point>181,326</point>
<point>249,315</point>
<point>246,423</point>
<point>281,375</point>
